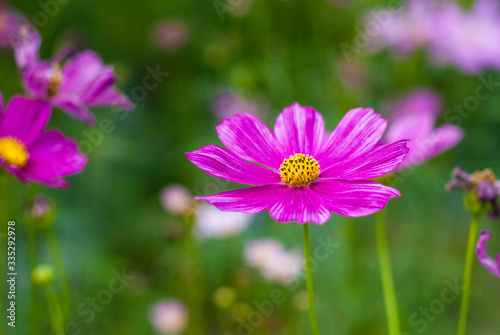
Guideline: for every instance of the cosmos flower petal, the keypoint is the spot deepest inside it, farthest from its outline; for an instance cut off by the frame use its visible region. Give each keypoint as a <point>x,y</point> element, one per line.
<point>52,157</point>
<point>25,119</point>
<point>224,164</point>
<point>421,108</point>
<point>353,198</point>
<point>300,130</point>
<point>250,200</point>
<point>249,138</point>
<point>26,42</point>
<point>111,97</point>
<point>489,263</point>
<point>441,139</point>
<point>357,133</point>
<point>377,162</point>
<point>299,204</point>
<point>76,110</point>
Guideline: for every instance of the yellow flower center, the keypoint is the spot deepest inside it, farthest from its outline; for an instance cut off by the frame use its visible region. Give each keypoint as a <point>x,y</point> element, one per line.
<point>55,81</point>
<point>483,176</point>
<point>13,152</point>
<point>299,170</point>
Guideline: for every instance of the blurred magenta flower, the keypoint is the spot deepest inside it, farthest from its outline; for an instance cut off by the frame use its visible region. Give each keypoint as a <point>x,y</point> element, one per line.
<point>13,26</point>
<point>414,117</point>
<point>177,199</point>
<point>305,174</point>
<point>229,102</point>
<point>482,189</point>
<point>40,207</point>
<point>275,263</point>
<point>171,35</point>
<point>169,316</point>
<point>32,154</point>
<point>83,80</point>
<point>449,32</point>
<point>211,222</point>
<point>489,263</point>
<point>408,28</point>
<point>464,37</point>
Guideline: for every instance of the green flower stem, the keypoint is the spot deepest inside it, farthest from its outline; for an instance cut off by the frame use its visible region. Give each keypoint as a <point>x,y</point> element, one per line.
<point>61,271</point>
<point>54,309</point>
<point>391,304</point>
<point>469,264</point>
<point>309,280</point>
<point>194,282</point>
<point>4,216</point>
<point>35,301</point>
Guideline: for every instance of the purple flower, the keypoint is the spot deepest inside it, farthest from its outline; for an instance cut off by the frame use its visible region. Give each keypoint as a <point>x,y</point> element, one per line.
<point>169,316</point>
<point>83,80</point>
<point>13,26</point>
<point>171,35</point>
<point>489,263</point>
<point>302,174</point>
<point>229,102</point>
<point>413,117</point>
<point>482,189</point>
<point>466,38</point>
<point>32,154</point>
<point>405,29</point>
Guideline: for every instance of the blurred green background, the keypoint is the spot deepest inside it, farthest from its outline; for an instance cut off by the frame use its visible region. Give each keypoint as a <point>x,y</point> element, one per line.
<point>284,51</point>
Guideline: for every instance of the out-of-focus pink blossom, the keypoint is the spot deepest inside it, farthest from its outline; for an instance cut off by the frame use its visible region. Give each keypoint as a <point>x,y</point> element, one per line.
<point>275,263</point>
<point>468,39</point>
<point>414,117</point>
<point>449,32</point>
<point>171,35</point>
<point>169,316</point>
<point>405,29</point>
<point>177,199</point>
<point>211,222</point>
<point>490,264</point>
<point>228,102</point>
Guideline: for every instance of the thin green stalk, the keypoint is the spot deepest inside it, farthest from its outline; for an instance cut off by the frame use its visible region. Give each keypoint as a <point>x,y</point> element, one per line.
<point>62,272</point>
<point>309,280</point>
<point>4,216</point>
<point>35,301</point>
<point>55,311</point>
<point>391,304</point>
<point>469,263</point>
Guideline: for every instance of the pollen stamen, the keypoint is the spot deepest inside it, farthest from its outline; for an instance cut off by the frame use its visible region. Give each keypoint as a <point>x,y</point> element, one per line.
<point>299,170</point>
<point>13,152</point>
<point>55,81</point>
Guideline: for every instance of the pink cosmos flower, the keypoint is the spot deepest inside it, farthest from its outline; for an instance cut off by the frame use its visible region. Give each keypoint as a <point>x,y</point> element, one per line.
<point>414,117</point>
<point>302,174</point>
<point>170,316</point>
<point>229,102</point>
<point>32,154</point>
<point>11,25</point>
<point>83,80</point>
<point>405,29</point>
<point>171,35</point>
<point>489,263</point>
<point>465,38</point>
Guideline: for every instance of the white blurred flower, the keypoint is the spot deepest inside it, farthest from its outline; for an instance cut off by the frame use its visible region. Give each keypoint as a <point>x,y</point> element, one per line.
<point>176,199</point>
<point>275,263</point>
<point>258,252</point>
<point>212,222</point>
<point>283,267</point>
<point>169,316</point>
